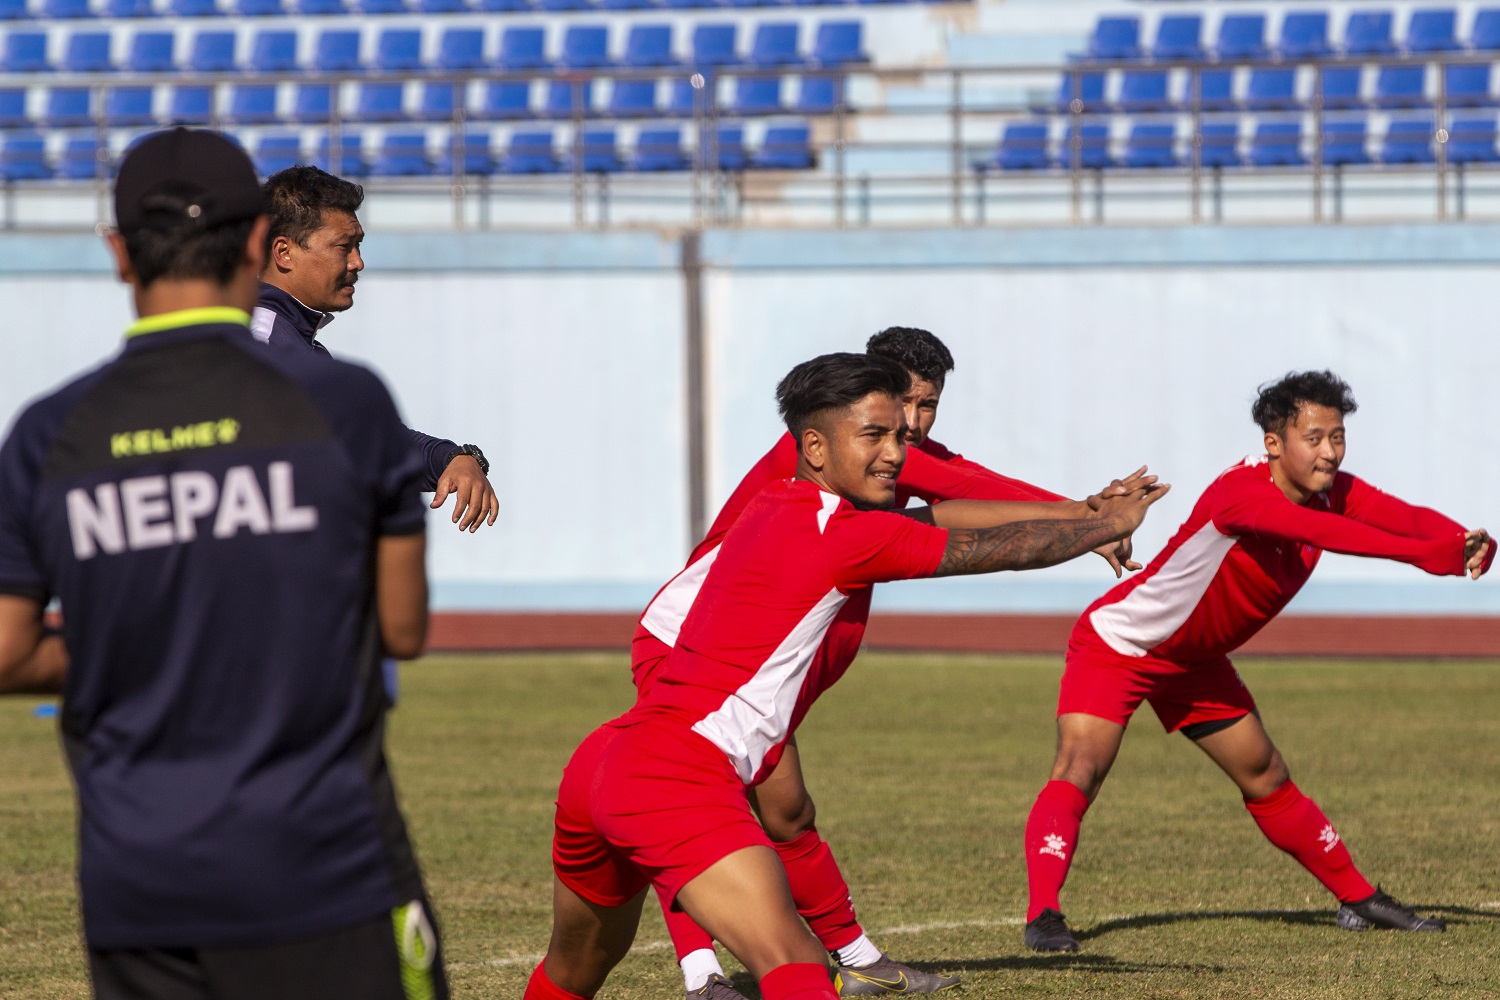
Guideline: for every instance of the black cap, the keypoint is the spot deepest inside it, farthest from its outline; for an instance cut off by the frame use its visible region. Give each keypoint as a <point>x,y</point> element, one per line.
<point>186,178</point>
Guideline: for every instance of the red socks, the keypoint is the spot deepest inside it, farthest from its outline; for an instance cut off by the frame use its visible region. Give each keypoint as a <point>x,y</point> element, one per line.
<point>687,936</point>
<point>1051,837</point>
<point>819,890</point>
<point>539,987</point>
<point>798,981</point>
<point>1294,823</point>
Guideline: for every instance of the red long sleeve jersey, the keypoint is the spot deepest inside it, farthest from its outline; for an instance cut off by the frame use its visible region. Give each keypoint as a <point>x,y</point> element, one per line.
<point>932,474</point>
<point>1246,551</point>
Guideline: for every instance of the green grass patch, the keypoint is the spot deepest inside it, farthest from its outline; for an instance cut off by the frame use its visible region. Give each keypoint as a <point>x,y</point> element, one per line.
<point>924,768</point>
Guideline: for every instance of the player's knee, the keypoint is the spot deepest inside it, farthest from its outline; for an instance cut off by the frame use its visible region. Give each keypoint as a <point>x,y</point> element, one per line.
<point>1080,767</point>
<point>789,820</point>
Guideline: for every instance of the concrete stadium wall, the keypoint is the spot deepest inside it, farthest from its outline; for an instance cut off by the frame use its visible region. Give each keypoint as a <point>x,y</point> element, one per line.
<point>1081,354</point>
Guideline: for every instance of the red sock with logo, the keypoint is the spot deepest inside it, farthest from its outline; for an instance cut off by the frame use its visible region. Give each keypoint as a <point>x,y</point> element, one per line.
<point>1294,823</point>
<point>541,988</point>
<point>819,890</point>
<point>798,981</point>
<point>1051,837</point>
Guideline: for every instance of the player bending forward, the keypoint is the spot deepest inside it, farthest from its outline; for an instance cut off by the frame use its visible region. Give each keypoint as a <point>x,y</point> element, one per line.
<point>658,796</point>
<point>1251,543</point>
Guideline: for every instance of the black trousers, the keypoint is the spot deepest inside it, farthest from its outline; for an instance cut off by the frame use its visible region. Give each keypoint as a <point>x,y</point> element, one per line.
<point>394,957</point>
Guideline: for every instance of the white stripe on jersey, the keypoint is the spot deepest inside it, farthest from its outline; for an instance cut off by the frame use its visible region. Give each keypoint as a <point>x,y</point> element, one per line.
<point>758,716</point>
<point>1151,613</point>
<point>663,618</point>
<point>262,321</point>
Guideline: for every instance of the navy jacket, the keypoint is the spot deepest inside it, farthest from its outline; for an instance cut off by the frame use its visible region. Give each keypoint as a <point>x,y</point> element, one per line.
<point>284,323</point>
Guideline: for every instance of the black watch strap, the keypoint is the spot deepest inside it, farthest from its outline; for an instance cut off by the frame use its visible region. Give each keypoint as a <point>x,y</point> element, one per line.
<point>472,450</point>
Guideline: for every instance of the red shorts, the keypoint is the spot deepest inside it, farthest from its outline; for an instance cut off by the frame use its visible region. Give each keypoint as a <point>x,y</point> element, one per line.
<point>648,655</point>
<point>1101,682</point>
<point>647,802</point>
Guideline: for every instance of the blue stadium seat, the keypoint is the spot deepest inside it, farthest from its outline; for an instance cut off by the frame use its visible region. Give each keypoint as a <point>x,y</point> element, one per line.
<point>402,154</point>
<point>1086,87</point>
<point>312,102</point>
<point>1242,36</point>
<point>600,153</point>
<point>438,101</point>
<point>1408,141</point>
<point>714,45</point>
<point>461,48</point>
<point>785,147</point>
<point>1150,144</point>
<point>1115,38</point>
<point>1023,146</point>
<point>818,95</point>
<point>1143,90</point>
<point>478,157</point>
<point>626,4</point>
<point>316,7</point>
<point>212,52</point>
<point>253,104</point>
<point>1272,89</point>
<point>1304,35</point>
<point>1215,90</point>
<point>337,51</point>
<point>380,6</point>
<point>67,107</point>
<point>55,10</point>
<point>351,155</point>
<point>1344,142</point>
<point>839,43</point>
<point>88,52</point>
<point>1277,144</point>
<point>129,8</point>
<point>13,10</point>
<point>13,108</point>
<point>725,150</point>
<point>690,4</point>
<point>1221,145</point>
<point>380,102</point>
<point>585,46</point>
<point>191,105</point>
<point>504,6</point>
<point>649,45</point>
<point>25,52</point>
<point>756,95</point>
<point>567,97</point>
<point>193,8</point>
<point>1472,140</point>
<point>1485,35</point>
<point>127,106</point>
<point>1432,31</point>
<point>1401,87</point>
<point>681,96</point>
<point>632,98</point>
<point>1093,152</point>
<point>442,6</point>
<point>658,149</point>
<point>24,158</point>
<point>152,52</point>
<point>1368,32</point>
<point>1341,87</point>
<point>398,50</point>
<point>505,100</point>
<point>561,6</point>
<point>775,44</point>
<point>259,8</point>
<point>1467,86</point>
<point>523,48</point>
<point>530,152</point>
<point>82,160</point>
<point>1179,36</point>
<point>276,153</point>
<point>274,52</point>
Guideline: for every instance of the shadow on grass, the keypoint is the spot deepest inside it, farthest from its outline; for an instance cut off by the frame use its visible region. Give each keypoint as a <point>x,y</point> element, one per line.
<point>1311,918</point>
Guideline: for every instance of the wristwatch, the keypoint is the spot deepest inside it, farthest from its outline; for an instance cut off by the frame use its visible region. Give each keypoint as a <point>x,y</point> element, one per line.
<point>472,450</point>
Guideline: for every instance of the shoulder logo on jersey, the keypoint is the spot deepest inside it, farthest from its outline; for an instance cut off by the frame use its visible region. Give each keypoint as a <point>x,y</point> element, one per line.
<point>148,512</point>
<point>161,440</point>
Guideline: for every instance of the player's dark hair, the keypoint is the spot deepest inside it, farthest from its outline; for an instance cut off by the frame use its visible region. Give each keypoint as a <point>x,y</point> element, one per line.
<point>188,252</point>
<point>836,382</point>
<point>297,196</point>
<point>915,350</point>
<point>1278,403</point>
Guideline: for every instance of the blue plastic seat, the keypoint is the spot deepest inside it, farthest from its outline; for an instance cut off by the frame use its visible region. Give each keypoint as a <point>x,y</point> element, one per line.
<point>1277,144</point>
<point>523,48</point>
<point>253,104</point>
<point>129,8</point>
<point>439,100</point>
<point>193,8</point>
<point>649,45</point>
<point>1215,90</point>
<point>757,95</point>
<point>402,154</point>
<point>569,97</point>
<point>505,100</point>
<point>276,153</point>
<point>1304,35</point>
<point>1150,144</point>
<point>212,52</point>
<point>1344,142</point>
<point>1242,36</point>
<point>775,44</point>
<point>478,157</point>
<point>461,48</point>
<point>561,6</point>
<point>24,158</point>
<point>632,98</point>
<point>398,50</point>
<point>626,4</point>
<point>83,159</point>
<point>274,52</point>
<point>380,6</point>
<point>839,43</point>
<point>1408,141</point>
<point>1432,31</point>
<point>320,7</point>
<point>13,10</point>
<point>1221,145</point>
<point>1467,86</point>
<point>690,4</point>
<point>659,149</point>
<point>1143,90</point>
<point>1085,87</point>
<point>585,46</point>
<point>724,149</point>
<point>600,154</point>
<point>504,6</point>
<point>191,105</point>
<point>337,51</point>
<point>13,108</point>
<point>442,6</point>
<point>818,95</point>
<point>1115,38</point>
<point>1341,87</point>
<point>126,106</point>
<point>681,96</point>
<point>380,102</point>
<point>1369,33</point>
<point>530,152</point>
<point>1472,140</point>
<point>1179,36</point>
<point>152,52</point>
<point>1272,89</point>
<point>1401,87</point>
<point>1484,36</point>
<point>67,107</point>
<point>313,103</point>
<point>1023,146</point>
<point>259,8</point>
<point>714,45</point>
<point>785,147</point>
<point>57,10</point>
<point>1093,151</point>
<point>88,52</point>
<point>25,52</point>
<point>351,155</point>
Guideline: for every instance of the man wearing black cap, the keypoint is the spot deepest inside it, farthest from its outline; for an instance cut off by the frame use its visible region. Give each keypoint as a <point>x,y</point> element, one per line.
<point>236,540</point>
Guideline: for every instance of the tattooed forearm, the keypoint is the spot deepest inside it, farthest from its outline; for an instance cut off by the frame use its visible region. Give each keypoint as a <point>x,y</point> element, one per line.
<point>1023,545</point>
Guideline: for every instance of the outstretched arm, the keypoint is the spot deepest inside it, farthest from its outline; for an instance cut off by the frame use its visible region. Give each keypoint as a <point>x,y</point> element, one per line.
<point>450,470</point>
<point>1389,513</point>
<point>32,660</point>
<point>1281,519</point>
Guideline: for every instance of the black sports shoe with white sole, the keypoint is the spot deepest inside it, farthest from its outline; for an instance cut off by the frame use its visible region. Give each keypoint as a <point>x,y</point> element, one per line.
<point>1049,932</point>
<point>1382,911</point>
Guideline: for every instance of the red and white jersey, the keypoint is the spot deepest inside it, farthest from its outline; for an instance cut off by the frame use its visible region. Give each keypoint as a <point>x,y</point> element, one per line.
<point>1246,551</point>
<point>779,617</point>
<point>932,474</point>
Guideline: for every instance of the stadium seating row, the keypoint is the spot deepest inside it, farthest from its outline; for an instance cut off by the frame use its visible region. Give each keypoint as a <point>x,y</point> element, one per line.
<point>400,50</point>
<point>409,154</point>
<point>75,9</point>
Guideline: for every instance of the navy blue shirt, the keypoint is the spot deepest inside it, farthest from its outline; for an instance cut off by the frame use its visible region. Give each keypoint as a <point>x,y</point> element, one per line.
<point>207,513</point>
<point>285,323</point>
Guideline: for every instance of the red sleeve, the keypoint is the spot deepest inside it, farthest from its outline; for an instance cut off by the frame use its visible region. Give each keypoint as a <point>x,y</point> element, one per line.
<point>935,480</point>
<point>778,463</point>
<point>1365,503</point>
<point>875,546</point>
<point>1261,510</point>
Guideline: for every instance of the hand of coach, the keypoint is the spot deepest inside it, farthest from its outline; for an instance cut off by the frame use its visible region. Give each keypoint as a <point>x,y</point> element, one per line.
<point>474,497</point>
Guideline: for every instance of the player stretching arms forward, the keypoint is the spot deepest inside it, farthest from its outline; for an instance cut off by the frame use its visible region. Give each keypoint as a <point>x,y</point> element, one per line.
<point>1251,543</point>
<point>658,796</point>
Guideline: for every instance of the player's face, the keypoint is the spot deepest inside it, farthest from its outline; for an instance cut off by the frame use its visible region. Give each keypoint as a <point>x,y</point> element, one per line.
<point>327,270</point>
<point>866,449</point>
<point>1311,449</point>
<point>920,404</point>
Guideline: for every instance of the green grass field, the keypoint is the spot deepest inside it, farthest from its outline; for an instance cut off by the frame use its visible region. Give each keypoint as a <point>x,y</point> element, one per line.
<point>924,768</point>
